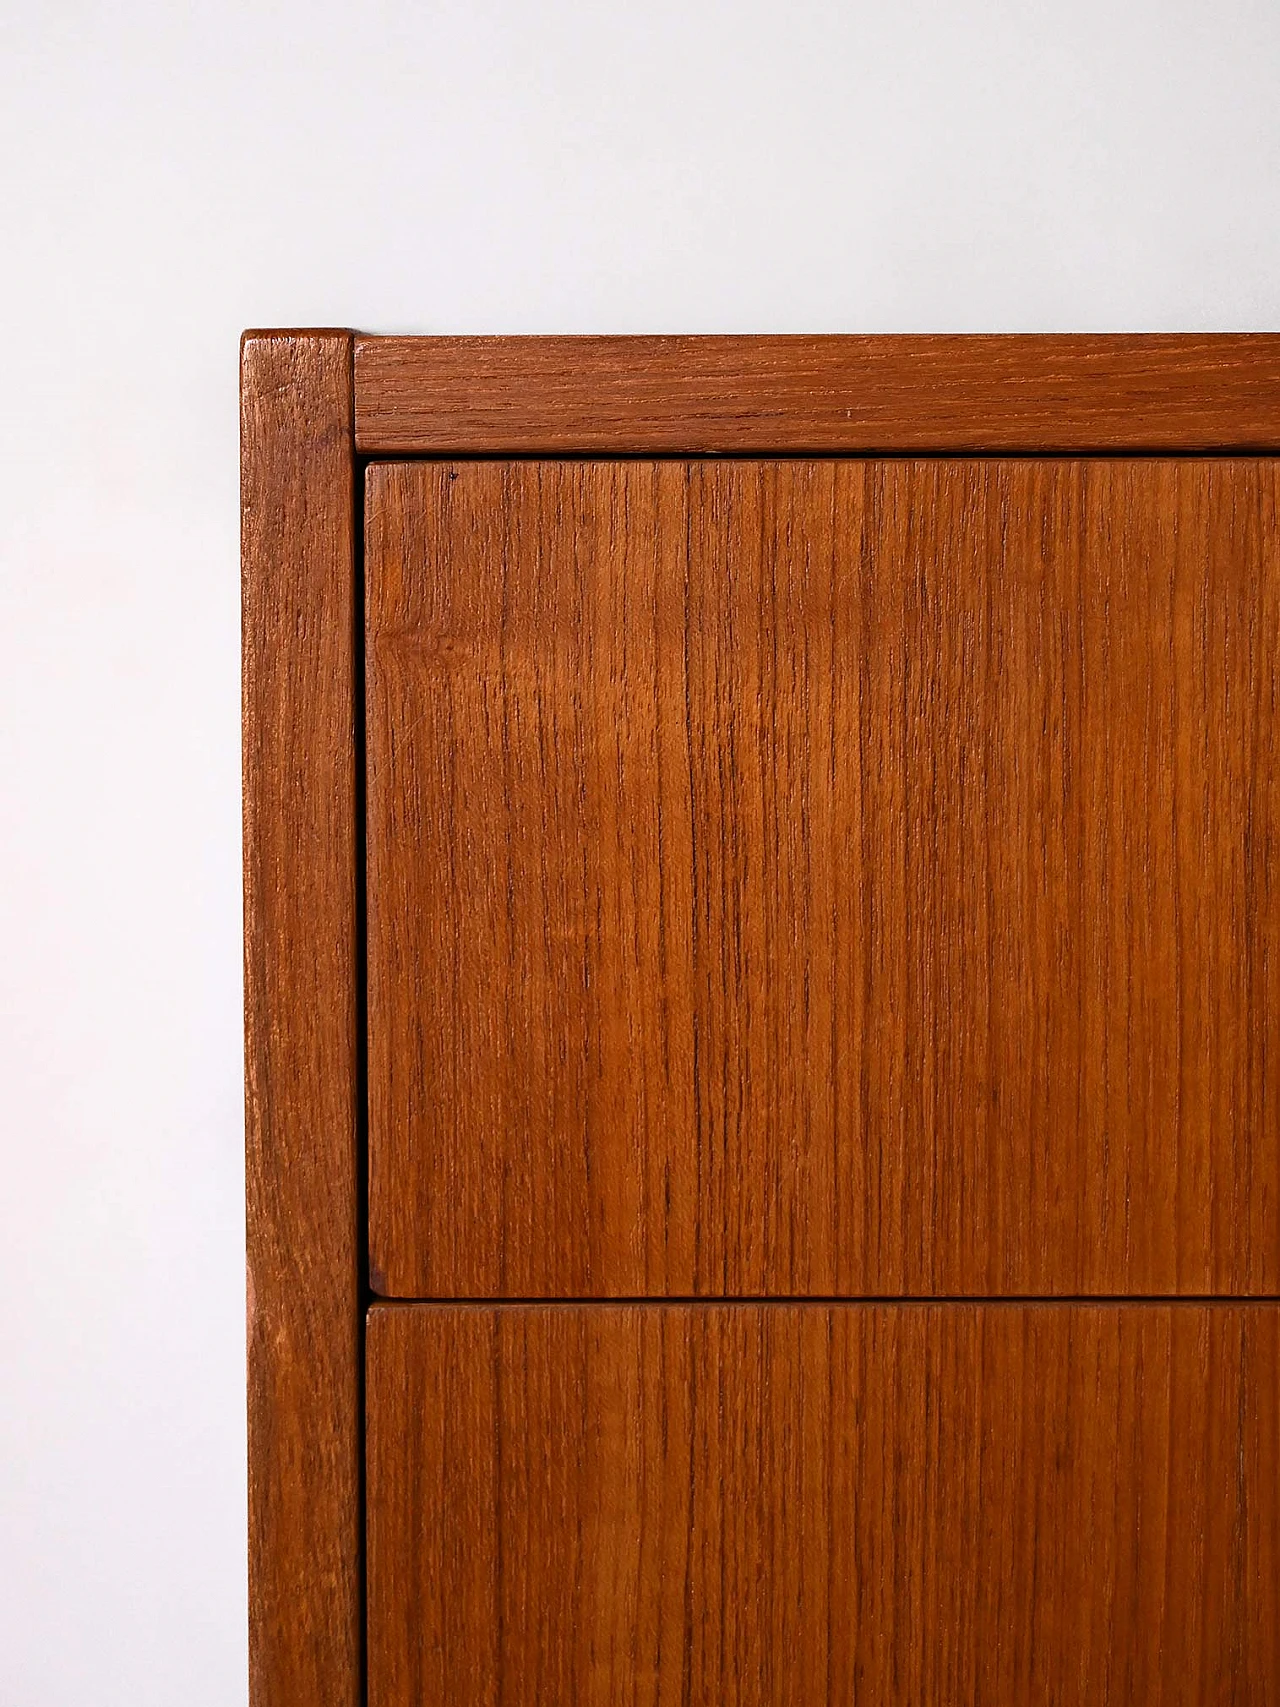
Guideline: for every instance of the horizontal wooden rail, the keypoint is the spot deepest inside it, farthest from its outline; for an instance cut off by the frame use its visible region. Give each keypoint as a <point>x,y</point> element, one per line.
<point>817,395</point>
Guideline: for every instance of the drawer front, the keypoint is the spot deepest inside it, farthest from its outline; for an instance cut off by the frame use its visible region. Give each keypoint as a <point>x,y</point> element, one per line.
<point>766,1504</point>
<point>824,877</point>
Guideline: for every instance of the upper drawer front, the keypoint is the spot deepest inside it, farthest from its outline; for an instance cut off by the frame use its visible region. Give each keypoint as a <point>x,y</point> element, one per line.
<point>824,877</point>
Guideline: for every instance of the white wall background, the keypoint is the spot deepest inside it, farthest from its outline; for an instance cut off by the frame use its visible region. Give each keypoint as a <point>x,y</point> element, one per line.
<point>172,173</point>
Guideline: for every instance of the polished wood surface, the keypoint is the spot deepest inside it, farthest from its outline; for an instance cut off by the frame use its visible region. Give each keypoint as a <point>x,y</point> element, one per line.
<point>824,878</point>
<point>788,881</point>
<point>752,1506</point>
<point>301,980</point>
<point>686,395</point>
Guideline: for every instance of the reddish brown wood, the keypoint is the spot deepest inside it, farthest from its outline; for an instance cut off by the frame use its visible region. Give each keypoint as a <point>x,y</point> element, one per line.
<point>824,878</point>
<point>305,1602</point>
<point>752,1506</point>
<point>685,396</point>
<point>804,877</point>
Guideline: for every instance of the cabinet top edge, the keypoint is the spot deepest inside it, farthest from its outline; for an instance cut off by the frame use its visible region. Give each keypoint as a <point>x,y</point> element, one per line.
<point>839,394</point>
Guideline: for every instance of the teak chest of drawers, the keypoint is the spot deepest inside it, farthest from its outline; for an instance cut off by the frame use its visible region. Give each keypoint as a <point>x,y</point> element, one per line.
<point>763,1020</point>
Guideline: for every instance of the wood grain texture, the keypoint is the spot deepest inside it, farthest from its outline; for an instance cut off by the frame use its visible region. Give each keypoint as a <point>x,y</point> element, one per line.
<point>752,1506</point>
<point>824,878</point>
<point>767,395</point>
<point>299,602</point>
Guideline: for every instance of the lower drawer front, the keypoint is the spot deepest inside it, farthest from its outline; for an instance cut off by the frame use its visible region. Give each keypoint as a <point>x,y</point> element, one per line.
<point>732,1504</point>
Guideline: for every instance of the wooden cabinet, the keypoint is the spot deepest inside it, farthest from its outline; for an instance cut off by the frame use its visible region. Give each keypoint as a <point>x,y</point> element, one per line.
<point>763,990</point>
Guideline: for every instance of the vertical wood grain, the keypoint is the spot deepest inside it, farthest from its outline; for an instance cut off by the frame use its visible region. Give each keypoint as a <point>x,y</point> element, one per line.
<point>299,604</point>
<point>752,1506</point>
<point>824,877</point>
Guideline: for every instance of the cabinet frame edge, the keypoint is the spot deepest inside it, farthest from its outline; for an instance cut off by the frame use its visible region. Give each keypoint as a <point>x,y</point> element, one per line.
<point>303,1017</point>
<point>822,395</point>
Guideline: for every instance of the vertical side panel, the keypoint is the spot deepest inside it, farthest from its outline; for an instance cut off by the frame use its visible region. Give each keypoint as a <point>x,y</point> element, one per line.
<point>299,637</point>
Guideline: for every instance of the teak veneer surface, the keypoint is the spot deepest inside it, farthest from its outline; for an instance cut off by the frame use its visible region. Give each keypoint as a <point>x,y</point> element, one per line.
<point>786,1506</point>
<point>766,395</point>
<point>301,980</point>
<point>824,877</point>
<point>788,879</point>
